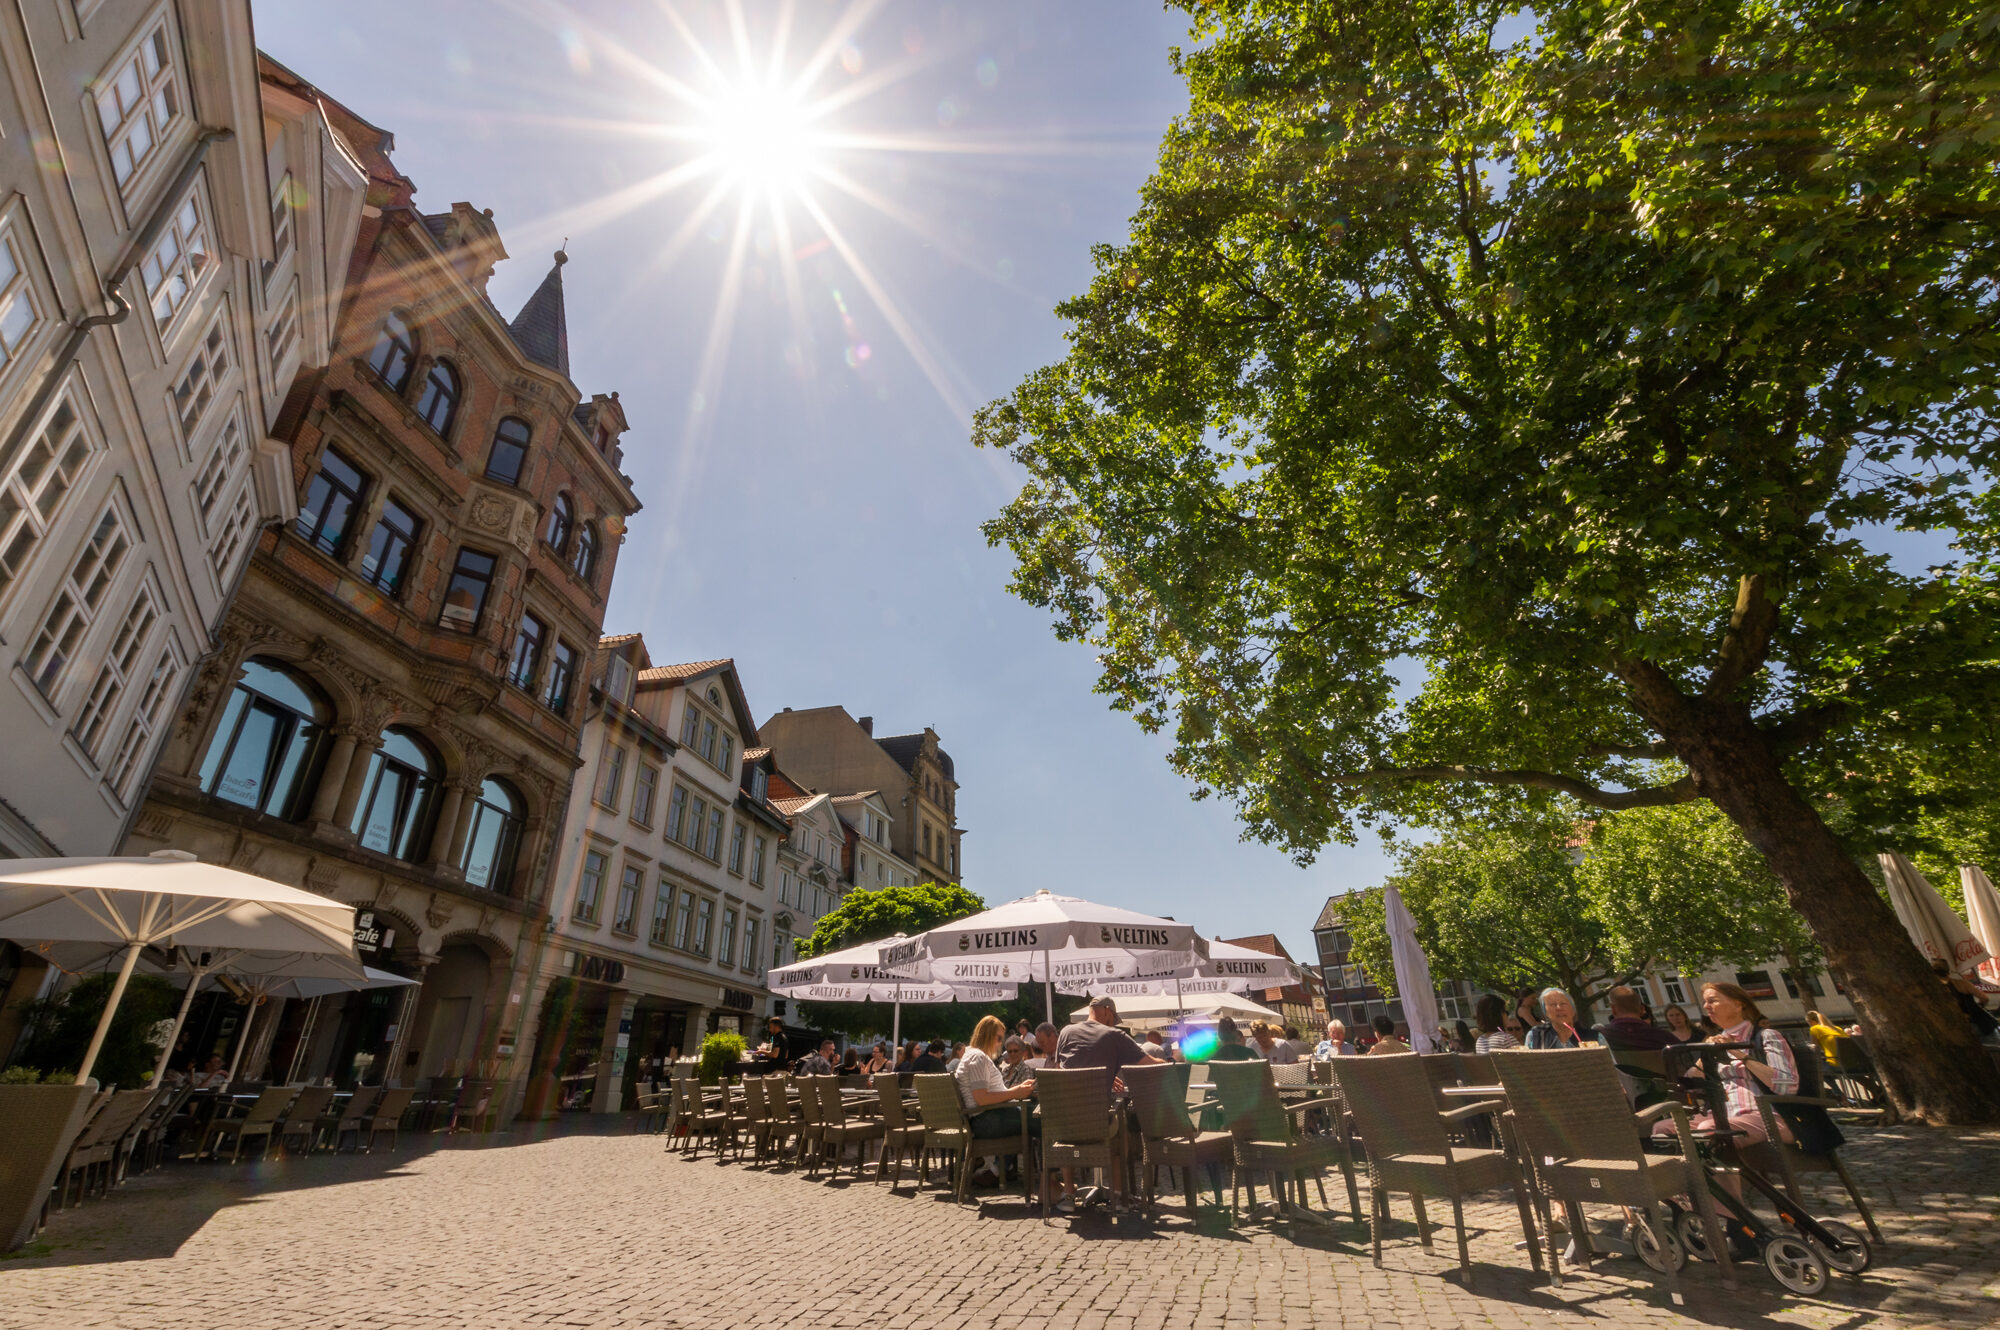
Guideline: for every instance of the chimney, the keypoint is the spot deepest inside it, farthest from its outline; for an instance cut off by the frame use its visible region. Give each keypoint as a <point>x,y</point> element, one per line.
<point>867,724</point>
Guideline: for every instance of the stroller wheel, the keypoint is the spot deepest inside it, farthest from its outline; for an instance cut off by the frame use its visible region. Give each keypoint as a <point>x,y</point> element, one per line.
<point>1853,1257</point>
<point>1797,1264</point>
<point>1694,1237</point>
<point>1648,1243</point>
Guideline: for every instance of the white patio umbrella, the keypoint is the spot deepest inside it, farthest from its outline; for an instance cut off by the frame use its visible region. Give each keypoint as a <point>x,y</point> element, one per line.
<point>1161,1009</point>
<point>1982,912</point>
<point>164,900</point>
<point>1228,969</point>
<point>1413,974</point>
<point>1933,925</point>
<point>855,974</point>
<point>1047,939</point>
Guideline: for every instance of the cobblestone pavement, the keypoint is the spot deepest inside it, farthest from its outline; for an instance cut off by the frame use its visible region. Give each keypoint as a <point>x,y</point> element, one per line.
<point>610,1231</point>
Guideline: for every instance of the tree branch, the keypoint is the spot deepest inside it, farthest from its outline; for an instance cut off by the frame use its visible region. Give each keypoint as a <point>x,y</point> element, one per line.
<point>1652,752</point>
<point>1748,640</point>
<point>1653,796</point>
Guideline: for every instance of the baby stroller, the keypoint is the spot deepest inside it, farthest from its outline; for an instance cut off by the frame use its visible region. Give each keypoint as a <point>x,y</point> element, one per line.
<point>1800,1250</point>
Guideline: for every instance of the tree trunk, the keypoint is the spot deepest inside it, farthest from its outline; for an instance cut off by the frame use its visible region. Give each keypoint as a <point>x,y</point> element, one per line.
<point>1931,1060</point>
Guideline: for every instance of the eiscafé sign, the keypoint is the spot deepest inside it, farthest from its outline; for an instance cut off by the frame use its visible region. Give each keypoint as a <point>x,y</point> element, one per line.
<point>370,936</point>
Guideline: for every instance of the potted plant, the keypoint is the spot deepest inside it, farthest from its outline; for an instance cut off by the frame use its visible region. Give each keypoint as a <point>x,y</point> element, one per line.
<point>720,1053</point>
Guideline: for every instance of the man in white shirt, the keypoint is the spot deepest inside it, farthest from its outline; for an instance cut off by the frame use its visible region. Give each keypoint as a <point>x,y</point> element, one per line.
<point>1045,1046</point>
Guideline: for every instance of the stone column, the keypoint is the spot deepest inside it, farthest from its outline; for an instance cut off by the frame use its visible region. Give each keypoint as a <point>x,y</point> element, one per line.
<point>460,825</point>
<point>333,780</point>
<point>365,746</point>
<point>439,856</point>
<point>529,882</point>
<point>612,1052</point>
<point>697,1030</point>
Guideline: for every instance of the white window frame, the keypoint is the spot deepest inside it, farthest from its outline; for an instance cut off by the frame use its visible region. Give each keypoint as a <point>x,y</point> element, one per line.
<point>738,835</point>
<point>233,537</point>
<point>660,931</point>
<point>188,269</point>
<point>159,695</point>
<point>757,860</point>
<point>589,891</point>
<point>281,332</point>
<point>137,108</point>
<point>94,717</point>
<point>36,504</point>
<point>21,290</point>
<point>645,793</point>
<point>752,958</point>
<point>625,910</point>
<point>96,569</point>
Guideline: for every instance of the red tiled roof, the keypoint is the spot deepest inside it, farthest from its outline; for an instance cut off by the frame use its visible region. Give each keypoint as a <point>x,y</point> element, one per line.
<point>679,673</point>
<point>617,639</point>
<point>792,805</point>
<point>753,754</point>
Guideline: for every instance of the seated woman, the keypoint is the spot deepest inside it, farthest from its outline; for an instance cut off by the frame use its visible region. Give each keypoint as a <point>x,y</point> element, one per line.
<point>1744,1075</point>
<point>988,1099</point>
<point>850,1062</point>
<point>1491,1013</point>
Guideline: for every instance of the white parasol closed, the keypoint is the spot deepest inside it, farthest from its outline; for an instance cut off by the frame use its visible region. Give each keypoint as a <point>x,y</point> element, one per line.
<point>1933,925</point>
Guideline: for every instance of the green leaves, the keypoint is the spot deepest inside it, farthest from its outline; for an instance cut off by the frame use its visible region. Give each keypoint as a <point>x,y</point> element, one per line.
<point>870,916</point>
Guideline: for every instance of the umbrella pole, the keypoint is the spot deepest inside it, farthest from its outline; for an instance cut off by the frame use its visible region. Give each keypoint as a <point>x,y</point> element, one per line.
<point>110,1010</point>
<point>195,976</point>
<point>896,1023</point>
<point>1048,989</point>
<point>305,1038</point>
<point>243,1039</point>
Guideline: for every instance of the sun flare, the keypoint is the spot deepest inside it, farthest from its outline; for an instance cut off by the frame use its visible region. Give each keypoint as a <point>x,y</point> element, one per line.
<point>762,137</point>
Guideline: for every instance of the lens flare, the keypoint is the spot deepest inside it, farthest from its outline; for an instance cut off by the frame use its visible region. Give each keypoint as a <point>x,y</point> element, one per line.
<point>1199,1043</point>
<point>761,136</point>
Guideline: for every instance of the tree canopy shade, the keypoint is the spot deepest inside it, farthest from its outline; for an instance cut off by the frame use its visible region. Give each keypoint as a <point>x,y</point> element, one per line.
<point>1466,417</point>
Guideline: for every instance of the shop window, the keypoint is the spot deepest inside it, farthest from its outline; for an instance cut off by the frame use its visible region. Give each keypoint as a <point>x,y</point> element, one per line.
<point>264,751</point>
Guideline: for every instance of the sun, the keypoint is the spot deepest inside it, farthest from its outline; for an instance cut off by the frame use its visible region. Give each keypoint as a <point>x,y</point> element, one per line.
<point>762,136</point>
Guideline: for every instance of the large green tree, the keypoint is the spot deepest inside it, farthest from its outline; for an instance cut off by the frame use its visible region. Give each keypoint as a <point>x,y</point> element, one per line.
<point>1468,415</point>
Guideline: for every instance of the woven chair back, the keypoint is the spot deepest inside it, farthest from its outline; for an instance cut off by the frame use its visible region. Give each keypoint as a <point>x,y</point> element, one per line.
<point>1477,1068</point>
<point>271,1104</point>
<point>1251,1108</point>
<point>392,1103</point>
<point>889,1093</point>
<point>832,1108</point>
<point>809,1107</point>
<point>937,1100</point>
<point>1322,1072</point>
<point>1851,1056</point>
<point>310,1104</point>
<point>363,1100</point>
<point>1291,1073</point>
<point>754,1108</point>
<point>1390,1099</point>
<point>1076,1105</point>
<point>1812,1069</point>
<point>1568,1103</point>
<point>116,1117</point>
<point>1159,1099</point>
<point>1441,1070</point>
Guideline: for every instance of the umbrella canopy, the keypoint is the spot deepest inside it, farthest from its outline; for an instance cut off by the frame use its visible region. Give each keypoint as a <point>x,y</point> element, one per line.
<point>855,974</point>
<point>164,900</point>
<point>1933,925</point>
<point>1150,1012</point>
<point>1228,968</point>
<point>1413,974</point>
<point>1982,911</point>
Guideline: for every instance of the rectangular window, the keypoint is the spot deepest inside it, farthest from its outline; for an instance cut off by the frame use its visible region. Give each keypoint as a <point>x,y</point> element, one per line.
<point>154,700</point>
<point>676,812</point>
<point>174,268</point>
<point>77,603</point>
<point>663,913</point>
<point>137,105</point>
<point>618,680</point>
<point>562,677</point>
<point>728,752</point>
<point>750,953</point>
<point>589,888</point>
<point>281,219</point>
<point>784,888</point>
<point>221,463</point>
<point>18,314</point>
<point>331,501</point>
<point>93,719</point>
<point>625,918</point>
<point>781,946</point>
<point>614,776</point>
<point>1675,991</point>
<point>684,922</point>
<point>283,332</point>
<point>205,370</point>
<point>878,870</point>
<point>389,547</point>
<point>229,540</point>
<point>725,943</point>
<point>690,724</point>
<point>757,860</point>
<point>760,784</point>
<point>736,836</point>
<point>33,492</point>
<point>465,598</point>
<point>527,660</point>
<point>697,819</point>
<point>714,847</point>
<point>645,786</point>
<point>708,740</point>
<point>704,915</point>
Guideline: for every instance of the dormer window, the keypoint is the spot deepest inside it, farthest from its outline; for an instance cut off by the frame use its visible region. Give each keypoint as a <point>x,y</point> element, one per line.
<point>617,680</point>
<point>760,784</point>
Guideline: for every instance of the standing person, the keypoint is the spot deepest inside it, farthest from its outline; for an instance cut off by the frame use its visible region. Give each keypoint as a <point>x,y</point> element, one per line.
<point>1526,1015</point>
<point>1385,1037</point>
<point>1766,1067</point>
<point>1491,1014</point>
<point>1301,1050</point>
<point>1628,1029</point>
<point>987,1097</point>
<point>1335,1044</point>
<point>1823,1034</point>
<point>1678,1024</point>
<point>775,1046</point>
<point>1558,1028</point>
<point>1024,1032</point>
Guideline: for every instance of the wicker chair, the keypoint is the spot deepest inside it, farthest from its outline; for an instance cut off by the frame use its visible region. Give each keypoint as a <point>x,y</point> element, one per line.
<point>1791,1159</point>
<point>947,1131</point>
<point>781,1125</point>
<point>812,1124</point>
<point>1441,1070</point>
<point>1411,1151</point>
<point>387,1116</point>
<point>1168,1133</point>
<point>836,1130</point>
<point>651,1103</point>
<point>1267,1140</point>
<point>709,1114</point>
<point>260,1121</point>
<point>900,1136</point>
<point>755,1119</point>
<point>302,1118</point>
<point>96,1146</point>
<point>1854,1077</point>
<point>1477,1069</point>
<point>1079,1129</point>
<point>343,1120</point>
<point>1582,1139</point>
<point>150,1138</point>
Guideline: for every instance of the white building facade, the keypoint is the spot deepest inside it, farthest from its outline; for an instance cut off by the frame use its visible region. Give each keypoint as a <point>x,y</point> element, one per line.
<point>174,237</point>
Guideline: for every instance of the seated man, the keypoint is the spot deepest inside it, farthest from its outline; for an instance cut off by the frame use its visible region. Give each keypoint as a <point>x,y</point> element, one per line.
<point>931,1060</point>
<point>1044,1054</point>
<point>1335,1044</point>
<point>1628,1027</point>
<point>1386,1040</point>
<point>1098,1042</point>
<point>1229,1043</point>
<point>820,1063</point>
<point>212,1076</point>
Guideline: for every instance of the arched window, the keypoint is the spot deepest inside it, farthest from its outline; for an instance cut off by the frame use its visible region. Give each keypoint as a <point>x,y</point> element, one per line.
<point>493,837</point>
<point>510,449</point>
<point>562,520</point>
<point>584,561</point>
<point>398,798</point>
<point>439,403</point>
<point>265,749</point>
<point>394,353</point>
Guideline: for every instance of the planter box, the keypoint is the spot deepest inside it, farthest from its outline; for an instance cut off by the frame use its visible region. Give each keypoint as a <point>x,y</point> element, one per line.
<point>42,1121</point>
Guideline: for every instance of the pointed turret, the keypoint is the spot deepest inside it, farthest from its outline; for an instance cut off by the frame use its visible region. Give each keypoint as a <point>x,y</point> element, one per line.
<point>541,329</point>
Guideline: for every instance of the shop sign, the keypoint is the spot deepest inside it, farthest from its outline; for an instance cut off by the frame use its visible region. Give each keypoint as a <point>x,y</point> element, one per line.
<point>597,969</point>
<point>737,998</point>
<point>369,935</point>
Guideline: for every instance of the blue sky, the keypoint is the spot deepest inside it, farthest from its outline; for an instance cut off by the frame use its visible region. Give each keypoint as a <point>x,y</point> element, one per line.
<point>812,502</point>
